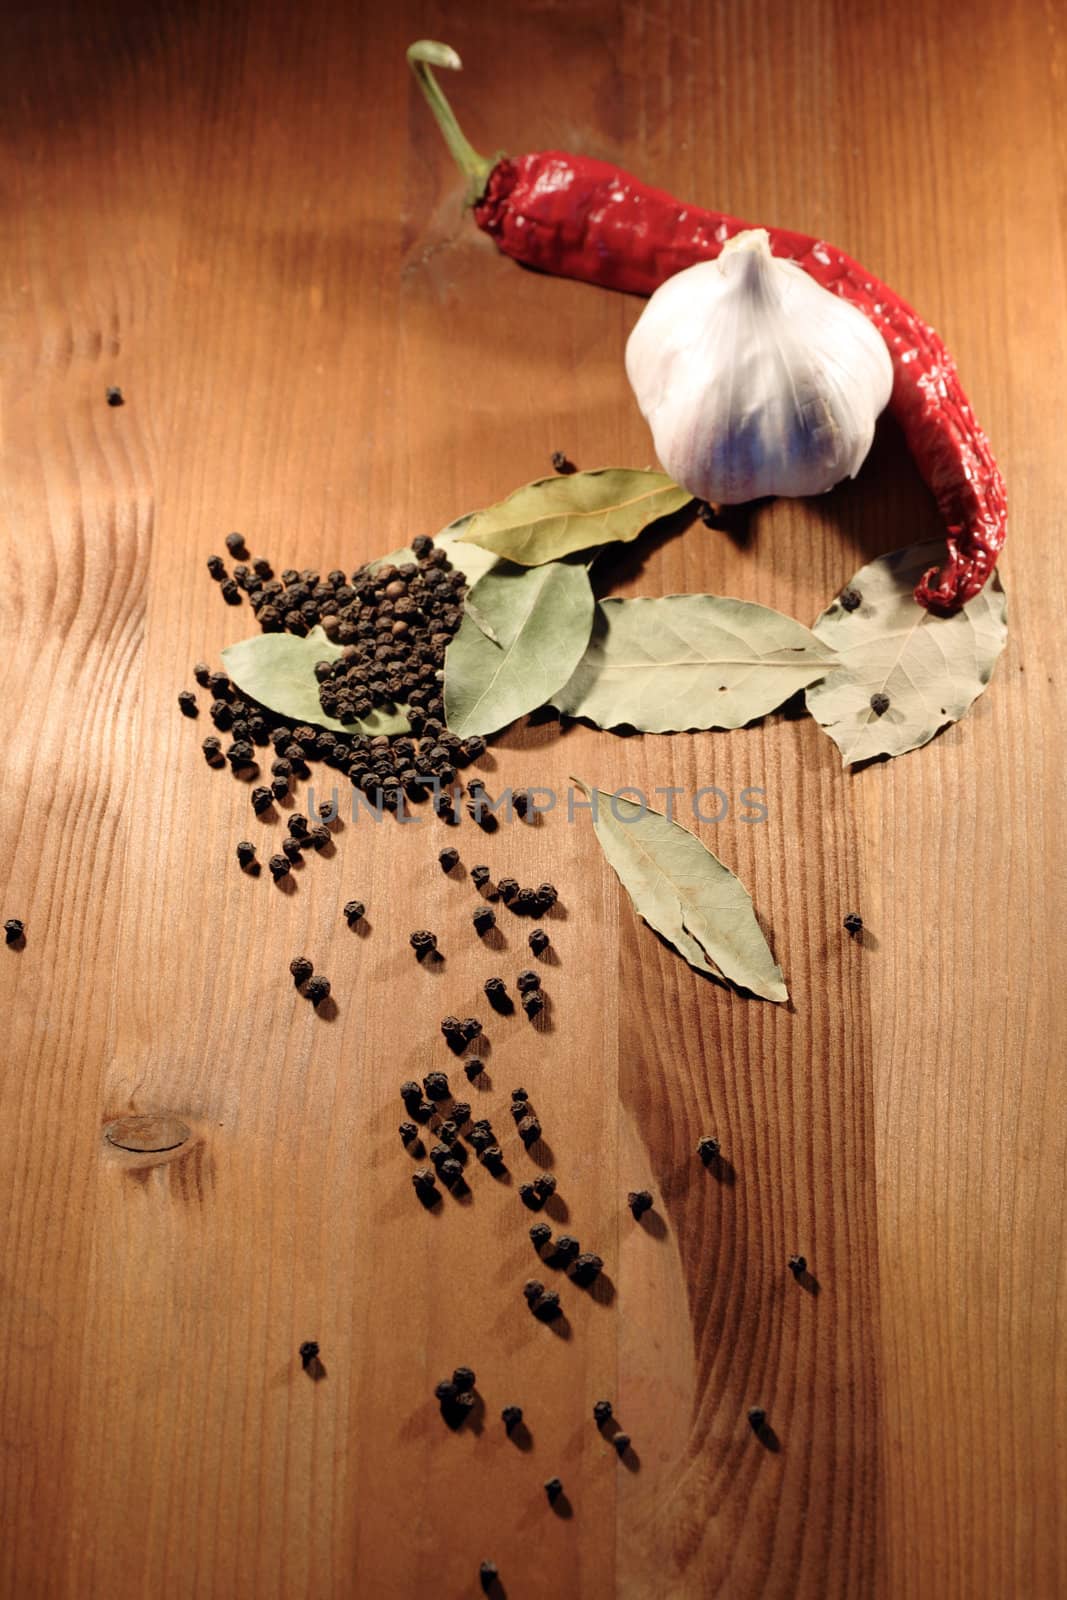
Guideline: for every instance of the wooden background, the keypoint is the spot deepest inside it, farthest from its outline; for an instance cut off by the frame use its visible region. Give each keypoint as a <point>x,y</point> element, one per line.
<point>244,216</point>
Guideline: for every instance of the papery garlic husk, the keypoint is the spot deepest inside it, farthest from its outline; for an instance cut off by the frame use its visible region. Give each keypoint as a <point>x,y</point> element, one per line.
<point>756,380</point>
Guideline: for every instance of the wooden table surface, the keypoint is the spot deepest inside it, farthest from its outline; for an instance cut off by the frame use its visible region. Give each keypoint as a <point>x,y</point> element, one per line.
<point>243,215</point>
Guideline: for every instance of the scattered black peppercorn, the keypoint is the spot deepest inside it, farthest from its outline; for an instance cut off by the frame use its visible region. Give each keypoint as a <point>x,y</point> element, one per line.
<point>230,592</point>
<point>246,852</point>
<point>484,919</point>
<point>479,876</point>
<point>529,1130</point>
<point>527,982</point>
<point>479,1135</point>
<point>547,895</point>
<point>425,1184</point>
<point>318,990</point>
<point>621,1441</point>
<point>488,1572</point>
<point>879,704</point>
<point>212,748</point>
<point>546,1308</point>
<point>639,1201</point>
<point>309,1352</point>
<point>520,1094</point>
<point>235,544</point>
<point>451,1171</point>
<point>448,1132</point>
<point>452,1029</point>
<point>545,1184</point>
<point>553,1489</point>
<point>524,904</point>
<point>850,599</point>
<point>540,1233</point>
<point>217,568</point>
<point>797,1265</point>
<point>508,888</point>
<point>492,1157</point>
<point>422,941</point>
<point>279,788</point>
<point>533,1003</point>
<point>436,1086</point>
<point>520,800</point>
<point>586,1269</point>
<point>114,397</point>
<point>408,1132</point>
<point>291,849</point>
<point>187,702</point>
<point>262,800</point>
<point>298,825</point>
<point>448,858</point>
<point>470,1028</point>
<point>474,1068</point>
<point>446,1392</point>
<point>756,1418</point>
<point>602,1412</point>
<point>410,1091</point>
<point>460,1112</point>
<point>496,993</point>
<point>14,930</point>
<point>539,941</point>
<point>530,1197</point>
<point>279,866</point>
<point>511,1416</point>
<point>202,673</point>
<point>301,969</point>
<point>565,1250</point>
<point>708,1149</point>
<point>355,911</point>
<point>532,1290</point>
<point>562,462</point>
<point>853,923</point>
<point>464,1379</point>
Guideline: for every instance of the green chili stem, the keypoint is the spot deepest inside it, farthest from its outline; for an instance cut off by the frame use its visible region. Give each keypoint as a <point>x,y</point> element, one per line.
<point>427,53</point>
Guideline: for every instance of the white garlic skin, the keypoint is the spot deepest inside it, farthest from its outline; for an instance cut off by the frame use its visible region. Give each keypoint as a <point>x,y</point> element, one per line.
<point>754,379</point>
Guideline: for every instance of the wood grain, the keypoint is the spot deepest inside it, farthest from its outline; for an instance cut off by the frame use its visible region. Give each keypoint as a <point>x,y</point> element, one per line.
<point>244,217</point>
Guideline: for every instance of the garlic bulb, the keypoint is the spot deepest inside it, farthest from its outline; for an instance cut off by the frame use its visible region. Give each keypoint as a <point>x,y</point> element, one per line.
<point>755,379</point>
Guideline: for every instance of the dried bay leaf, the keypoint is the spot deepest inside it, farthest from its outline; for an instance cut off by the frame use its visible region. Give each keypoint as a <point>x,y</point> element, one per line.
<point>554,517</point>
<point>278,671</point>
<point>521,639</point>
<point>931,668</point>
<point>685,893</point>
<point>690,661</point>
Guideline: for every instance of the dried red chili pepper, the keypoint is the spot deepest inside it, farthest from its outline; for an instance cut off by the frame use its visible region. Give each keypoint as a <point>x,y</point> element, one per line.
<point>578,218</point>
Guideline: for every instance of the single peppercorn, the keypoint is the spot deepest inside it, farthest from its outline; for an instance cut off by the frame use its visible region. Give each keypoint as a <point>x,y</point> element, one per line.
<point>235,544</point>
<point>853,923</point>
<point>464,1379</point>
<point>14,930</point>
<point>533,1003</point>
<point>621,1441</point>
<point>279,788</point>
<point>355,911</point>
<point>410,1091</point>
<point>291,849</point>
<point>546,1308</point>
<point>301,969</point>
<point>446,1392</point>
<point>114,396</point>
<point>530,1197</point>
<point>797,1265</point>
<point>524,904</point>
<point>450,1171</point>
<point>562,462</point>
<point>850,599</point>
<point>212,748</point>
<point>756,1418</point>
<point>879,704</point>
<point>529,1130</point>
<point>484,919</point>
<point>279,866</point>
<point>246,852</point>
<point>318,990</point>
<point>470,1028</point>
<point>309,1352</point>
<point>422,941</point>
<point>452,1029</point>
<point>511,1416</point>
<point>202,673</point>
<point>479,1135</point>
<point>408,1133</point>
<point>527,982</point>
<point>538,941</point>
<point>436,1086</point>
<point>565,1250</point>
<point>298,825</point>
<point>474,1068</point>
<point>586,1269</point>
<point>448,858</point>
<point>545,1184</point>
<point>639,1201</point>
<point>508,888</point>
<point>424,1183</point>
<point>488,1573</point>
<point>187,702</point>
<point>540,1234</point>
<point>479,876</point>
<point>547,894</point>
<point>217,568</point>
<point>318,836</point>
<point>520,1094</point>
<point>533,1289</point>
<point>496,993</point>
<point>602,1412</point>
<point>708,1149</point>
<point>460,1112</point>
<point>448,1132</point>
<point>230,592</point>
<point>262,800</point>
<point>553,1489</point>
<point>492,1157</point>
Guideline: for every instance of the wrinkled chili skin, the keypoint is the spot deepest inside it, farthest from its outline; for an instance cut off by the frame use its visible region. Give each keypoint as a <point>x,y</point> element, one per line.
<point>579,218</point>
